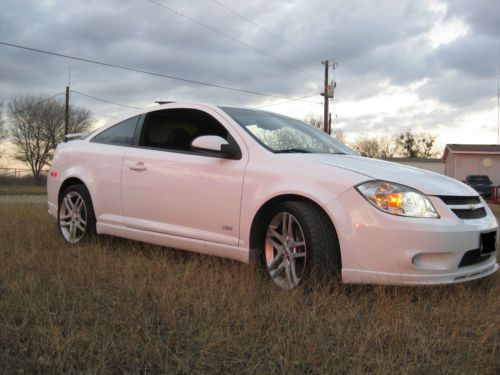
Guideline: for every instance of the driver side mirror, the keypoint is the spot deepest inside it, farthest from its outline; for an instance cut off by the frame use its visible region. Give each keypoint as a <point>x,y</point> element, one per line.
<point>214,143</point>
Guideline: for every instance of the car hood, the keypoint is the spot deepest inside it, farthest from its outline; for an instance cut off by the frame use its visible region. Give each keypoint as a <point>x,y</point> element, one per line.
<point>429,183</point>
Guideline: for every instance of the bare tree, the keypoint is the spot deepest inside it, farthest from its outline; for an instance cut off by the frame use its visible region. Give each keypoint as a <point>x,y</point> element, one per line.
<point>313,120</point>
<point>317,122</point>
<point>367,146</point>
<point>36,126</point>
<point>339,135</point>
<point>3,130</point>
<point>417,145</point>
<point>376,147</point>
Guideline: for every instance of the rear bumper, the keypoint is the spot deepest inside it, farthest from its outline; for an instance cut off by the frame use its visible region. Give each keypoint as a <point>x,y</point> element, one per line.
<point>386,249</point>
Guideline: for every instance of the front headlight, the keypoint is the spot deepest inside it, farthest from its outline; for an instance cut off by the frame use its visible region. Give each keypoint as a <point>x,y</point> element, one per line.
<point>397,199</point>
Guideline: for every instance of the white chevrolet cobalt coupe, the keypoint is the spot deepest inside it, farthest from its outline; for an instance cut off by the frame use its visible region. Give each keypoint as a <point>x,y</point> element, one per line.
<point>253,185</point>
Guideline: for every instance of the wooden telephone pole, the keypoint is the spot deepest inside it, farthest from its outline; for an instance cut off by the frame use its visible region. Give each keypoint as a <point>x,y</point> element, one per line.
<point>66,112</point>
<point>327,94</point>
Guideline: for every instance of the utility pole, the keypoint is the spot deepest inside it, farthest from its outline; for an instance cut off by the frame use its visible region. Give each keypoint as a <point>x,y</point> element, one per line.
<point>325,94</point>
<point>328,93</point>
<point>66,112</point>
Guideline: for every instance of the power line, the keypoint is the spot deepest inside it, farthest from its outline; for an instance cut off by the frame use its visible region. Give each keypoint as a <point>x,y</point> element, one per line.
<point>147,72</point>
<point>287,101</point>
<point>213,29</point>
<point>316,59</point>
<point>103,100</point>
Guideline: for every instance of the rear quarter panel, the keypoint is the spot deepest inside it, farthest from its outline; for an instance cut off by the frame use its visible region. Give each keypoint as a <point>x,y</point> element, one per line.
<point>98,166</point>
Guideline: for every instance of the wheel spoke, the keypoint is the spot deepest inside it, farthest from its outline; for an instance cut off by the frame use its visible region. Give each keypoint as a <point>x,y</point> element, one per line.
<point>64,224</point>
<point>276,245</point>
<point>293,273</point>
<point>276,261</point>
<point>65,216</point>
<point>298,255</point>
<point>277,271</point>
<point>79,203</point>
<point>276,235</point>
<point>72,231</point>
<point>288,273</point>
<point>284,225</point>
<point>297,243</point>
<point>80,226</point>
<point>69,203</point>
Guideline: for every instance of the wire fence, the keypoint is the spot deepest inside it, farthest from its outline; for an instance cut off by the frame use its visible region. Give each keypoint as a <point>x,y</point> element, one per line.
<point>20,176</point>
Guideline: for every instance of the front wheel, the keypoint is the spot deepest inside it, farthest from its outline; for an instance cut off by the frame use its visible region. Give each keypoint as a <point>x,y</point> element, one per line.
<point>300,243</point>
<point>76,215</point>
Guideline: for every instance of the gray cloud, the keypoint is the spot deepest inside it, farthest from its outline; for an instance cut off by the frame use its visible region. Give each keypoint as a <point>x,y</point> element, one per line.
<point>374,42</point>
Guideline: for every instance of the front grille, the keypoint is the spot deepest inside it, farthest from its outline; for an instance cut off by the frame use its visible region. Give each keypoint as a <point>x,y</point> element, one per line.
<point>472,257</point>
<point>457,201</point>
<point>467,214</point>
<point>466,208</point>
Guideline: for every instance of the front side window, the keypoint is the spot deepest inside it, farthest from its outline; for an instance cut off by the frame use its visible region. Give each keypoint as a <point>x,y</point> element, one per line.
<point>121,134</point>
<point>284,134</point>
<point>176,129</point>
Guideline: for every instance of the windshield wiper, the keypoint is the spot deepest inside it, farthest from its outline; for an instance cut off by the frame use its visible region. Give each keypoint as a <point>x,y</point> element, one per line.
<point>291,150</point>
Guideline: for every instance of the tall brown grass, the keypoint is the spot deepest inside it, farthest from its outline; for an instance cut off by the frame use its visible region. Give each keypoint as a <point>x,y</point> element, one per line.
<point>124,307</point>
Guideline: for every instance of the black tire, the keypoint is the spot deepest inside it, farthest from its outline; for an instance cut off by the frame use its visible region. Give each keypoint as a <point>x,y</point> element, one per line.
<point>318,258</point>
<point>76,223</point>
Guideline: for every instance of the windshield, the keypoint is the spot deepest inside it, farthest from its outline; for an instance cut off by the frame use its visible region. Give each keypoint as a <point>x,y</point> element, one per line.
<point>282,134</point>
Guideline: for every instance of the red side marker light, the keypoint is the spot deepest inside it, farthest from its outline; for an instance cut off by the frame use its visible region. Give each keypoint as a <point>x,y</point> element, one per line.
<point>53,174</point>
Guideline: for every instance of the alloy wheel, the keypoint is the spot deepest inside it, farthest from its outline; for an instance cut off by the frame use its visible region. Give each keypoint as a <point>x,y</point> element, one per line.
<point>73,217</point>
<point>285,250</point>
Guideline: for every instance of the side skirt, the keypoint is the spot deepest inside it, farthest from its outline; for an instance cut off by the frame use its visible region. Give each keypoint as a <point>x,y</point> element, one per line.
<point>183,243</point>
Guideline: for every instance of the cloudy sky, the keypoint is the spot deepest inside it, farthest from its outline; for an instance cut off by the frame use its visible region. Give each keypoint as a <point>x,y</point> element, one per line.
<point>426,65</point>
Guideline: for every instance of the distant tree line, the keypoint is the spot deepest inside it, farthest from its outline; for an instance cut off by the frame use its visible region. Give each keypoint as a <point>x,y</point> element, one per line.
<point>408,144</point>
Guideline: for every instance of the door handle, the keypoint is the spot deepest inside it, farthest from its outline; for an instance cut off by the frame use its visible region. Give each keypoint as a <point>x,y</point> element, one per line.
<point>139,166</point>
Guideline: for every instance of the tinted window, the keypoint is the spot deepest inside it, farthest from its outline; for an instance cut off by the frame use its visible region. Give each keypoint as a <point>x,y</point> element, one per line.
<point>121,134</point>
<point>175,129</point>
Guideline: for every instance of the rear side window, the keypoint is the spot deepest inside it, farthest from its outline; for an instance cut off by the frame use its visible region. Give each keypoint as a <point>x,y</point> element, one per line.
<point>121,134</point>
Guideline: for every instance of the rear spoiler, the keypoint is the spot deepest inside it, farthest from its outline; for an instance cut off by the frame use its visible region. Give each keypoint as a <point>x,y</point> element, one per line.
<point>74,136</point>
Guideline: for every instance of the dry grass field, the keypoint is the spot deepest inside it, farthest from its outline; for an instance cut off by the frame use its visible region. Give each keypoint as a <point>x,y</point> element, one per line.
<point>124,307</point>
<point>22,190</point>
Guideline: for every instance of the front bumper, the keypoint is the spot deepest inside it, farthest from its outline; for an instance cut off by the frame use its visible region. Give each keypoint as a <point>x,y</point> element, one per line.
<point>380,248</point>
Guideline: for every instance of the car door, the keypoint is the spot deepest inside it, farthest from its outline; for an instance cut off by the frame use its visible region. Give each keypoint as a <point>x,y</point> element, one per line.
<point>169,188</point>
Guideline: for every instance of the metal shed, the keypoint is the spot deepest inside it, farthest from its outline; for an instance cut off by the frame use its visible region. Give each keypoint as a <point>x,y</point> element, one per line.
<point>462,160</point>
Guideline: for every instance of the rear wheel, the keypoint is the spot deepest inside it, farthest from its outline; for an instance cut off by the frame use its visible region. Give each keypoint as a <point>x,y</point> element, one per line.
<point>76,215</point>
<point>300,243</point>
